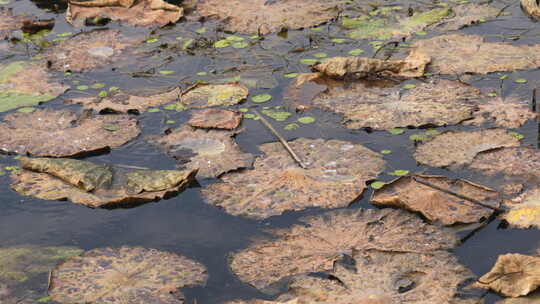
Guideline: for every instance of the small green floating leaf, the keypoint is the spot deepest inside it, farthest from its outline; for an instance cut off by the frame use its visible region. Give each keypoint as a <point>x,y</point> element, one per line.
<point>167,72</point>
<point>254,37</point>
<point>427,135</point>
<point>504,77</point>
<point>396,131</point>
<point>110,127</point>
<point>306,120</point>
<point>152,40</point>
<point>516,135</point>
<point>308,61</point>
<point>98,86</point>
<point>520,80</point>
<point>65,34</point>
<point>243,110</point>
<point>202,74</point>
<point>386,152</point>
<point>276,114</point>
<point>356,52</point>
<point>399,172</point>
<point>44,300</point>
<point>290,75</point>
<point>59,39</point>
<point>114,89</point>
<point>170,122</point>
<point>261,98</point>
<point>103,94</point>
<point>409,86</point>
<point>82,87</point>
<point>421,33</point>
<point>235,38</point>
<point>26,110</point>
<point>291,126</point>
<point>240,45</point>
<point>492,94</point>
<point>222,44</point>
<point>377,185</point>
<point>201,30</point>
<point>320,55</point>
<point>249,116</point>
<point>153,110</point>
<point>317,29</point>
<point>339,40</point>
<point>187,44</point>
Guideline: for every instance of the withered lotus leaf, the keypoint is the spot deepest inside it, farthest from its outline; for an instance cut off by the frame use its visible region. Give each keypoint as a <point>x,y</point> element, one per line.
<point>94,185</point>
<point>8,22</point>
<point>510,112</point>
<point>336,175</point>
<point>315,245</point>
<point>437,206</point>
<point>125,275</point>
<point>87,51</point>
<point>361,67</point>
<point>513,275</point>
<point>531,8</point>
<point>123,103</point>
<point>458,54</point>
<point>524,210</point>
<point>531,299</point>
<point>382,105</point>
<point>62,133</point>
<point>215,119</point>
<point>143,13</point>
<point>465,15</point>
<point>205,95</point>
<point>457,148</point>
<point>261,16</point>
<point>520,162</point>
<point>212,152</point>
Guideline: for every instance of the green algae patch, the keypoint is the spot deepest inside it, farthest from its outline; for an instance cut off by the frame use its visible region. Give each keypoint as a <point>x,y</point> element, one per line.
<point>205,95</point>
<point>424,136</point>
<point>396,131</point>
<point>377,185</point>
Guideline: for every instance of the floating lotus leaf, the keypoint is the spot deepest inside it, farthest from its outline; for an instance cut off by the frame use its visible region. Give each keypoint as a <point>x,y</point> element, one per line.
<point>87,51</point>
<point>213,95</point>
<point>531,299</point>
<point>125,275</point>
<point>458,54</point>
<point>456,148</point>
<point>336,175</point>
<point>315,246</point>
<point>467,14</point>
<point>213,152</point>
<point>524,211</point>
<point>26,84</point>
<point>511,112</point>
<point>513,275</point>
<point>382,105</point>
<point>531,8</point>
<point>262,16</point>
<point>521,162</point>
<point>438,206</point>
<point>215,119</point>
<point>362,67</point>
<point>143,13</point>
<point>95,185</point>
<point>123,103</point>
<point>62,133</point>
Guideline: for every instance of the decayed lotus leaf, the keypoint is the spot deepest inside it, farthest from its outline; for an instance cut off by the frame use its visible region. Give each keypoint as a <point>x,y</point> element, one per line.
<point>531,8</point>
<point>458,54</point>
<point>457,148</point>
<point>215,119</point>
<point>143,13</point>
<point>123,103</point>
<point>212,152</point>
<point>205,95</point>
<point>524,211</point>
<point>513,275</point>
<point>361,67</point>
<point>26,84</point>
<point>531,299</point>
<point>522,162</point>
<point>261,16</point>
<point>382,105</point>
<point>125,275</point>
<point>95,185</point>
<point>62,133</point>
<point>336,175</point>
<point>87,51</point>
<point>434,204</point>
<point>467,14</point>
<point>315,246</point>
<point>8,22</point>
<point>511,112</point>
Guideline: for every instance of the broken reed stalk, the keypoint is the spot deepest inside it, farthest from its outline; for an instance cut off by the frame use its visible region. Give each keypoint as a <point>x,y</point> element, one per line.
<point>461,196</point>
<point>281,140</point>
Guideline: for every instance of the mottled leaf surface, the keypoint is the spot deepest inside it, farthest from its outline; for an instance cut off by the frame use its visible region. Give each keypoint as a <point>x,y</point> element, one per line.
<point>524,210</point>
<point>213,95</point>
<point>215,119</point>
<point>511,112</point>
<point>521,162</point>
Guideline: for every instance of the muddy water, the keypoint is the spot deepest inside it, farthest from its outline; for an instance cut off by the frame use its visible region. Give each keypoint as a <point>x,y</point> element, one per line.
<point>185,224</point>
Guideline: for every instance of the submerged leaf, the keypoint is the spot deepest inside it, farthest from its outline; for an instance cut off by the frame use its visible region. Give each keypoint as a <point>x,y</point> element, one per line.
<point>213,95</point>
<point>336,176</point>
<point>215,119</point>
<point>125,275</point>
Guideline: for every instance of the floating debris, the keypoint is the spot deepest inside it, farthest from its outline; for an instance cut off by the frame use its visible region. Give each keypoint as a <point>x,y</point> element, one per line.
<point>215,119</point>
<point>205,95</point>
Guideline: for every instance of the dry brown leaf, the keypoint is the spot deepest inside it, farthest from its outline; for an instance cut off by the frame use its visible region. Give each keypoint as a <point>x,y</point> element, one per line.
<point>524,210</point>
<point>123,103</point>
<point>144,13</point>
<point>212,152</point>
<point>8,22</point>
<point>362,67</point>
<point>336,175</point>
<point>62,133</point>
<point>215,119</point>
<point>465,15</point>
<point>321,241</point>
<point>457,148</point>
<point>263,17</point>
<point>521,162</point>
<point>513,275</point>
<point>531,299</point>
<point>132,275</point>
<point>531,8</point>
<point>204,95</point>
<point>510,112</point>
<point>88,50</point>
<point>436,205</point>
<point>95,185</point>
<point>104,3</point>
<point>458,54</point>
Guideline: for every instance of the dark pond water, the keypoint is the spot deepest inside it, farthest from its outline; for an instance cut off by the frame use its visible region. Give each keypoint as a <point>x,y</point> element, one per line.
<point>185,224</point>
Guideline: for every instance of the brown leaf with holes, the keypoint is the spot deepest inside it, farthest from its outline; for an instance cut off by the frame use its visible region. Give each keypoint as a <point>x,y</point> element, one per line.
<point>317,243</point>
<point>121,102</point>
<point>212,152</point>
<point>144,13</point>
<point>466,15</point>
<point>513,275</point>
<point>62,133</point>
<point>264,16</point>
<point>95,185</point>
<point>457,148</point>
<point>205,95</point>
<point>215,119</point>
<point>336,175</point>
<point>438,206</point>
<point>511,112</point>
